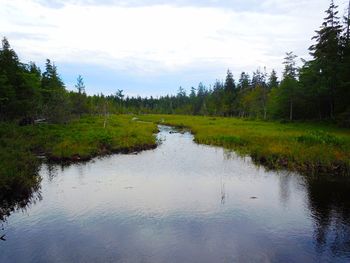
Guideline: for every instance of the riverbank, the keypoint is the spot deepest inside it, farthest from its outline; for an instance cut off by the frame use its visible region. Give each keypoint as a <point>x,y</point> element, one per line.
<point>79,140</point>
<point>309,148</point>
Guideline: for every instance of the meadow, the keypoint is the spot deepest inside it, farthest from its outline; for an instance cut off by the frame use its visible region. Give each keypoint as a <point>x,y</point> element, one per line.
<point>309,148</point>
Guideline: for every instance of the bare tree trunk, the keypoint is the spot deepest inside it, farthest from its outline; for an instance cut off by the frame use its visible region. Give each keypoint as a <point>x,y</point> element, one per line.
<point>105,114</point>
<point>291,111</point>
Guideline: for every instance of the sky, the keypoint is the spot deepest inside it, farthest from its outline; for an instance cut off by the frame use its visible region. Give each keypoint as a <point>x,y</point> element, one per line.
<point>153,47</point>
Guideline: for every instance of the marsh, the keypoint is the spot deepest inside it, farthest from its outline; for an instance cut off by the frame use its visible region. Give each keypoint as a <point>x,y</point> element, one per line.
<point>180,202</point>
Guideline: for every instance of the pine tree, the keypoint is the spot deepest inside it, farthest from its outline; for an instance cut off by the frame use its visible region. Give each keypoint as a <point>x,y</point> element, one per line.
<point>80,85</point>
<point>18,86</point>
<point>343,94</point>
<point>288,87</point>
<point>9,67</point>
<point>326,53</point>
<point>273,80</point>
<point>55,101</point>
<point>229,94</point>
<point>244,81</point>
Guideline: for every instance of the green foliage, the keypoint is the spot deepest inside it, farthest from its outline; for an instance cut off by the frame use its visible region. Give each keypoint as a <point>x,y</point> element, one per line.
<point>226,141</point>
<point>319,137</point>
<point>18,166</point>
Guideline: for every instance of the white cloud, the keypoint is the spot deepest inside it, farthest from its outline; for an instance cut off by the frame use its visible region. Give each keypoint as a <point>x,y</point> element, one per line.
<point>150,39</point>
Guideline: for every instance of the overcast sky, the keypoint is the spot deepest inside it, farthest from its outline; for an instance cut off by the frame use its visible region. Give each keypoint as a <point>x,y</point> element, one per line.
<point>152,47</point>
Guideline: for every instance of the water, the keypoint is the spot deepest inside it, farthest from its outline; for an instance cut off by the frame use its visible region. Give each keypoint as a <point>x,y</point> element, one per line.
<point>181,202</point>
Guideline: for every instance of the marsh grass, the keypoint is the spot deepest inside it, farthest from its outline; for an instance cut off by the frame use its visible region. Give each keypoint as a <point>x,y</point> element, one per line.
<point>87,137</point>
<point>76,141</point>
<point>310,148</point>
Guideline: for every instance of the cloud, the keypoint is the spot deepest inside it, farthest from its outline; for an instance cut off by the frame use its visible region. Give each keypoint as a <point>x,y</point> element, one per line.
<point>158,38</point>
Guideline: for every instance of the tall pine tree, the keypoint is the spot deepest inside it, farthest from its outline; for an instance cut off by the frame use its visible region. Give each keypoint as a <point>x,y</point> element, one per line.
<point>327,56</point>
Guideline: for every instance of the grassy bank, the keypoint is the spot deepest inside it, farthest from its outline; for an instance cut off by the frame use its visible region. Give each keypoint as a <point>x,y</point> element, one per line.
<point>309,148</point>
<point>85,138</point>
<point>78,140</point>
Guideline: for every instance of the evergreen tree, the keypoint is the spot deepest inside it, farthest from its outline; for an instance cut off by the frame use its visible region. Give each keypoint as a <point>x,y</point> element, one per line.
<point>80,85</point>
<point>229,94</point>
<point>259,79</point>
<point>55,98</point>
<point>326,53</point>
<point>18,86</point>
<point>344,89</point>
<point>244,81</point>
<point>79,101</point>
<point>273,80</point>
<point>288,87</point>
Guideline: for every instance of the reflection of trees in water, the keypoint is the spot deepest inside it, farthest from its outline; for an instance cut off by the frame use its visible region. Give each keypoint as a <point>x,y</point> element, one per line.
<point>329,202</point>
<point>20,197</point>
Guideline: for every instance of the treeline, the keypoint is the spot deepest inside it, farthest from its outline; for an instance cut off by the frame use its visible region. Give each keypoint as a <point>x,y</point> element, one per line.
<point>27,94</point>
<point>319,89</point>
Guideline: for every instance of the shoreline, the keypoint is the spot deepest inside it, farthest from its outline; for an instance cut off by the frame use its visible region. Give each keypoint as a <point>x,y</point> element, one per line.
<point>289,155</point>
<point>76,158</point>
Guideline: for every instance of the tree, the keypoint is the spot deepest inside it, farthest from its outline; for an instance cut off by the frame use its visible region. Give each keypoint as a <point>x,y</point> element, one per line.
<point>288,87</point>
<point>79,100</point>
<point>18,85</point>
<point>244,81</point>
<point>80,85</point>
<point>55,98</point>
<point>326,53</point>
<point>343,94</point>
<point>120,96</point>
<point>273,80</point>
<point>259,78</point>
<point>230,94</point>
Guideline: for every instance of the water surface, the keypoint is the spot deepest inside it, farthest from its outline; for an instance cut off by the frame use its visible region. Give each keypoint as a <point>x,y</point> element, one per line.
<point>181,202</point>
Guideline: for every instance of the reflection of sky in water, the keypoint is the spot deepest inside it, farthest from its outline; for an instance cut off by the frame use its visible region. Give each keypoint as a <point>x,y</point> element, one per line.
<point>178,203</point>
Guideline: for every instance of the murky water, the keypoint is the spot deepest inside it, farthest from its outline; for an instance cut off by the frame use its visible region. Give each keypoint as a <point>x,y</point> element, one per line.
<point>181,202</point>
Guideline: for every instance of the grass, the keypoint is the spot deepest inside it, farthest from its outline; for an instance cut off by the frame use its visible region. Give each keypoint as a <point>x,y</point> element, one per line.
<point>78,140</point>
<point>87,137</point>
<point>310,148</point>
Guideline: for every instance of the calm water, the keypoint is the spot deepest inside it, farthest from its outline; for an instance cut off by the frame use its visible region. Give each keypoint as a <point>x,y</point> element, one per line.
<point>181,202</point>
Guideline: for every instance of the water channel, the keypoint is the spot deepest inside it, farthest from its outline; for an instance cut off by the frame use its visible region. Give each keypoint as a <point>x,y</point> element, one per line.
<point>180,202</point>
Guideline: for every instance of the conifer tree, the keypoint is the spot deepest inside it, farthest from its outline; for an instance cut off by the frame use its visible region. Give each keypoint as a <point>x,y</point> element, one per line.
<point>288,88</point>
<point>273,80</point>
<point>326,53</point>
<point>230,94</point>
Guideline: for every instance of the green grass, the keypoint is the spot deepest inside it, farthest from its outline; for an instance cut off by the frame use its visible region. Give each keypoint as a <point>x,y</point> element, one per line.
<point>310,148</point>
<point>78,140</point>
<point>87,137</point>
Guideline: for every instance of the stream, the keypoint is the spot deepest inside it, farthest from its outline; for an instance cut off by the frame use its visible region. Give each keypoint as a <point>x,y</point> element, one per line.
<point>181,202</point>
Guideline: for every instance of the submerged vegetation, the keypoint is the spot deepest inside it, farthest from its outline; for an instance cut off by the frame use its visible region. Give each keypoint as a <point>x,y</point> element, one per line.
<point>310,148</point>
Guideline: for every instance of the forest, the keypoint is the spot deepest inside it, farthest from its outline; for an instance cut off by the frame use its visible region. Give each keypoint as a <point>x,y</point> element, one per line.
<point>317,90</point>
